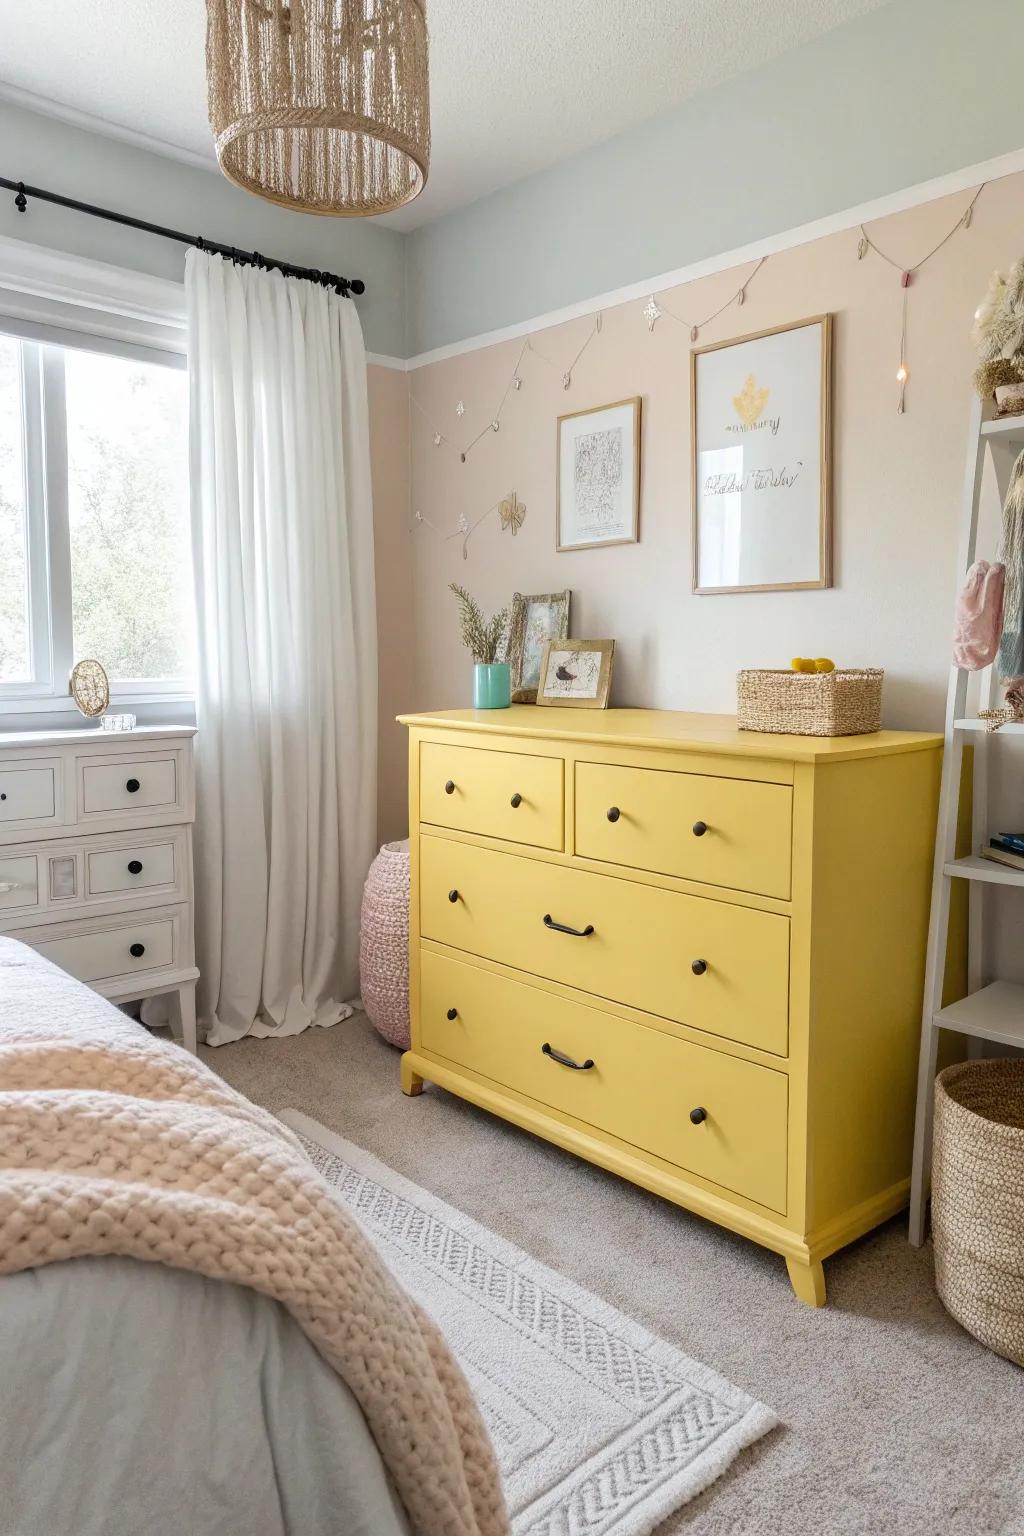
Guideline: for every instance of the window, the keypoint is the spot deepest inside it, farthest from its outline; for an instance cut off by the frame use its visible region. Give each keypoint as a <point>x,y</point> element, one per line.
<point>94,538</point>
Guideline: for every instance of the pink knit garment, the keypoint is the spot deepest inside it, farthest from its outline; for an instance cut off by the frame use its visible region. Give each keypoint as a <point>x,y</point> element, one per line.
<point>112,1142</point>
<point>978,620</point>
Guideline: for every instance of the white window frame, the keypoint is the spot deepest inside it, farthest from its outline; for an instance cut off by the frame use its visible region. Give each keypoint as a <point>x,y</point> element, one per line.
<point>53,301</point>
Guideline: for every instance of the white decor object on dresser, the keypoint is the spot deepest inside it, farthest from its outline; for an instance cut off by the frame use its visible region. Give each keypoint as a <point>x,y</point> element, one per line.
<point>96,858</point>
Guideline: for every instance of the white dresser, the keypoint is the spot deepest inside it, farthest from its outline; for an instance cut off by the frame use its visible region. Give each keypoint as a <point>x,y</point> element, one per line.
<point>96,858</point>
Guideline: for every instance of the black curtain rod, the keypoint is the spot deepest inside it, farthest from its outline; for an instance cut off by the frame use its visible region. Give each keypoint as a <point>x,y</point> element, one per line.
<point>346,286</point>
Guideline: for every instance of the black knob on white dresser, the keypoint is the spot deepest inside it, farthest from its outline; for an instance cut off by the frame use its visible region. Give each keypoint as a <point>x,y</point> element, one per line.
<point>136,951</point>
<point>132,786</point>
<point>135,866</point>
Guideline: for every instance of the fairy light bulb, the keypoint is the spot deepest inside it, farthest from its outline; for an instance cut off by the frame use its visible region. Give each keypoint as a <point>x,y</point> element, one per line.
<point>901,373</point>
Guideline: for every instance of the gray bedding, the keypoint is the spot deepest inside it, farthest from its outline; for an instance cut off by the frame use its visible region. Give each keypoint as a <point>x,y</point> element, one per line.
<point>137,1400</point>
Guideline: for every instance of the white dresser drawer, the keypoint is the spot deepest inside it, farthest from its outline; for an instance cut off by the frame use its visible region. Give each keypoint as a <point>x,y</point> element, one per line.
<point>19,881</point>
<point>116,870</point>
<point>28,793</point>
<point>129,785</point>
<point>97,955</point>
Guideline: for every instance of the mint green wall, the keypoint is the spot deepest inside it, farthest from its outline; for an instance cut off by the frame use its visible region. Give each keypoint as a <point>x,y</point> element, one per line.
<point>910,91</point>
<point>105,171</point>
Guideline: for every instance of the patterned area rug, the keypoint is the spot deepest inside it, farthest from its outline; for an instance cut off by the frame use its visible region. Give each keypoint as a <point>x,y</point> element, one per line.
<point>601,1429</point>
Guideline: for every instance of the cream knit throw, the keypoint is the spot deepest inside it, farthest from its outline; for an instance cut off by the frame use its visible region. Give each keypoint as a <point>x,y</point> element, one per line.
<point>114,1143</point>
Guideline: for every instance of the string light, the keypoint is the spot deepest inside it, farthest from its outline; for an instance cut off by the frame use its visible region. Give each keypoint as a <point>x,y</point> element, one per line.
<point>866,243</point>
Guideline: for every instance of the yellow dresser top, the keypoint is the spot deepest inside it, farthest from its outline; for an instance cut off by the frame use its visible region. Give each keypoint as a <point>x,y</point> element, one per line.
<point>680,731</point>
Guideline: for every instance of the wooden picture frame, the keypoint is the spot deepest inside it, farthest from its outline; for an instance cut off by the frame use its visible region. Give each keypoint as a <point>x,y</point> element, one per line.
<point>612,515</point>
<point>536,619</point>
<point>799,446</point>
<point>596,656</point>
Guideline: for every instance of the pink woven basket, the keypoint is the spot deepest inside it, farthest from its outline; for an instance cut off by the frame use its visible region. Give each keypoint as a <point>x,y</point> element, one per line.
<point>384,944</point>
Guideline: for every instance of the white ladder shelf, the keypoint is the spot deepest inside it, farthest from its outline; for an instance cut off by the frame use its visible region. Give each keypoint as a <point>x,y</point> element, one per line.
<point>992,1010</point>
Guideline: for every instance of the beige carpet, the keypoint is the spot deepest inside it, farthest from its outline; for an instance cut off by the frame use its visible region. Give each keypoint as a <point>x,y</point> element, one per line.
<point>895,1421</point>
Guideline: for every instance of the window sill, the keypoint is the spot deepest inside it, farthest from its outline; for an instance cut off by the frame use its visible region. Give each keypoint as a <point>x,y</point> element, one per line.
<point>61,714</point>
<point>61,704</point>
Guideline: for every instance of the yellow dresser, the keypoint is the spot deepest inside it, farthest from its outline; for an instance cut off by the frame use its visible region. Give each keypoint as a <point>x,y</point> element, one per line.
<point>691,954</point>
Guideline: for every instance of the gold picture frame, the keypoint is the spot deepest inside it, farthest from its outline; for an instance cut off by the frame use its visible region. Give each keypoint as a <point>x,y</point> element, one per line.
<point>526,639</point>
<point>592,657</point>
<point>824,494</point>
<point>630,522</point>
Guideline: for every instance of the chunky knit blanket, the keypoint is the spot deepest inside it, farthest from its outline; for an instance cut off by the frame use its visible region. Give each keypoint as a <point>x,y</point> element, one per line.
<point>112,1142</point>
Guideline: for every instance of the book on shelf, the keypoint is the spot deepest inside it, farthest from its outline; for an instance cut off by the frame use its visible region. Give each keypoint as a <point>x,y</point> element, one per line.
<point>1013,842</point>
<point>1001,855</point>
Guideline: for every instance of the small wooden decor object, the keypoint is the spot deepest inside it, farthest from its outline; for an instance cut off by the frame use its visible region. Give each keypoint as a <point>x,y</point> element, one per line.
<point>576,673</point>
<point>846,702</point>
<point>89,688</point>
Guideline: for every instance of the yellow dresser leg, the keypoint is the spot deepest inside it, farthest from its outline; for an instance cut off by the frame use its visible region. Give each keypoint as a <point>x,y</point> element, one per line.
<point>808,1281</point>
<point>412,1083</point>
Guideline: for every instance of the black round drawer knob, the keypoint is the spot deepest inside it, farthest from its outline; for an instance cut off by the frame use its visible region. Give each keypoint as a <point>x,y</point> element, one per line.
<point>449,787</point>
<point>136,951</point>
<point>453,895</point>
<point>698,1115</point>
<point>4,795</point>
<point>135,867</point>
<point>698,967</point>
<point>699,828</point>
<point>133,786</point>
<point>516,802</point>
<point>452,1013</point>
<point>614,813</point>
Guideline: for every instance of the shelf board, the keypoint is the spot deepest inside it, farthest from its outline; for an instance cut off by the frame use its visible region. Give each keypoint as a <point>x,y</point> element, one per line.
<point>977,868</point>
<point>996,1012</point>
<point>1011,728</point>
<point>1004,426</point>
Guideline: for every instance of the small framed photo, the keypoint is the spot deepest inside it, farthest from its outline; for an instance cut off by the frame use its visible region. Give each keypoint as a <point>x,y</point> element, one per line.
<point>760,435</point>
<point>576,673</point>
<point>535,621</point>
<point>598,486</point>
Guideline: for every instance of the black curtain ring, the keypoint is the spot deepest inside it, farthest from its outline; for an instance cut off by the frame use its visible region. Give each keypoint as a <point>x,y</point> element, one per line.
<point>21,201</point>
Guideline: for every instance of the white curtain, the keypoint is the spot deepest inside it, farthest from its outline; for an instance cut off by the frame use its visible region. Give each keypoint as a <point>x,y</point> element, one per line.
<point>282,541</point>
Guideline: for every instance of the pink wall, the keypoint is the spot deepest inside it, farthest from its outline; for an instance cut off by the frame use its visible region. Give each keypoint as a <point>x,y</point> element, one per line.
<point>897,483</point>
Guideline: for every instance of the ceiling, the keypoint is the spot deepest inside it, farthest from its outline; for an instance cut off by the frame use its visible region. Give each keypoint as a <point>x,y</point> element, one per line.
<point>514,86</point>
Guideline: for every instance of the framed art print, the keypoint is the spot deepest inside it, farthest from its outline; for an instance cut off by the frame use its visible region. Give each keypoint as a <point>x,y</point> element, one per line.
<point>598,483</point>
<point>535,621</point>
<point>760,444</point>
<point>577,673</point>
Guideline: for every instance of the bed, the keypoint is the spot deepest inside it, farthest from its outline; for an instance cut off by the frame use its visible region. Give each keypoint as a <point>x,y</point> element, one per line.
<point>141,1397</point>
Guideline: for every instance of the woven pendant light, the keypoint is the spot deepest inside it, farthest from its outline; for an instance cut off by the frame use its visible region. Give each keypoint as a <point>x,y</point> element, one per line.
<point>321,105</point>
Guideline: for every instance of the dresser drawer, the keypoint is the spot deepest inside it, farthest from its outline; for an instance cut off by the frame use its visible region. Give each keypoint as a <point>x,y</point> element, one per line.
<point>708,964</point>
<point>28,794</point>
<point>19,881</point>
<point>102,954</point>
<point>499,794</point>
<point>129,869</point>
<point>128,785</point>
<point>641,1087</point>
<point>730,832</point>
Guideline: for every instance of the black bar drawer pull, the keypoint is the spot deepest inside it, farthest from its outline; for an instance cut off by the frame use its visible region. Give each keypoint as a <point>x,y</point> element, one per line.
<point>136,951</point>
<point>577,933</point>
<point>132,786</point>
<point>135,866</point>
<point>567,1061</point>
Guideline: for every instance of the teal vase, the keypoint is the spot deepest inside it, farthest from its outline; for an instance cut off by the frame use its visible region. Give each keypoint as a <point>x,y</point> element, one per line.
<point>492,685</point>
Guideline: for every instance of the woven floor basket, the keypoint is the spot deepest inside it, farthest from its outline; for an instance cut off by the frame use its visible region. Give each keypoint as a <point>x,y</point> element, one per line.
<point>384,944</point>
<point>978,1200</point>
<point>846,703</point>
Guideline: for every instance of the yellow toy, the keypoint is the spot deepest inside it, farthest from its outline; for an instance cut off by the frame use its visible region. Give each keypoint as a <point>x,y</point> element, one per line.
<point>819,664</point>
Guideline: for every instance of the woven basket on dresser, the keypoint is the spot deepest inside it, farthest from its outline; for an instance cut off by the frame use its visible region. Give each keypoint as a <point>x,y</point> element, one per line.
<point>841,703</point>
<point>978,1200</point>
<point>384,944</point>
